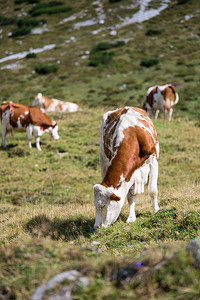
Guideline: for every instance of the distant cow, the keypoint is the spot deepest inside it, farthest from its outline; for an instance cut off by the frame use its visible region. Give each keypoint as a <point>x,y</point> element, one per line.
<point>161,97</point>
<point>54,104</point>
<point>129,152</point>
<point>33,120</point>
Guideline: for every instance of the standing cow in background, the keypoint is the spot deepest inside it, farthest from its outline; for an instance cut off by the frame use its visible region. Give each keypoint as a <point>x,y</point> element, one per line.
<point>54,104</point>
<point>129,152</point>
<point>161,97</point>
<point>18,117</point>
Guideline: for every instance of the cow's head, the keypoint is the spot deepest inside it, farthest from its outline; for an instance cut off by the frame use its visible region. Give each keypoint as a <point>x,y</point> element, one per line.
<point>107,206</point>
<point>38,100</point>
<point>53,131</point>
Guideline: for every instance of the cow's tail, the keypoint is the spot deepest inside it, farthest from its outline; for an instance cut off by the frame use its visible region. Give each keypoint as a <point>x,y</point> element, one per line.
<point>175,93</point>
<point>176,99</point>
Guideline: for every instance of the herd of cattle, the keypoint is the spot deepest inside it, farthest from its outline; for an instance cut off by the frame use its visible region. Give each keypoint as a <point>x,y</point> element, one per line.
<point>129,147</point>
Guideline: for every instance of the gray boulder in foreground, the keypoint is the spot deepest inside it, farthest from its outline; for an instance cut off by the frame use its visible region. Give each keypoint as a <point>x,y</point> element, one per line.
<point>194,249</point>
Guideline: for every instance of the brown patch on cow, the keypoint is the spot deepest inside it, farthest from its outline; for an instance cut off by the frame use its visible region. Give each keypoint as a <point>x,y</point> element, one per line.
<point>109,129</point>
<point>150,97</point>
<point>169,96</point>
<point>47,102</point>
<point>60,105</point>
<point>148,123</point>
<point>114,197</point>
<point>135,148</point>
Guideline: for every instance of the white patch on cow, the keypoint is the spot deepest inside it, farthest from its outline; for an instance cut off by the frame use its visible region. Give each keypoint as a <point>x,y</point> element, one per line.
<point>37,130</point>
<point>26,112</point>
<point>53,131</point>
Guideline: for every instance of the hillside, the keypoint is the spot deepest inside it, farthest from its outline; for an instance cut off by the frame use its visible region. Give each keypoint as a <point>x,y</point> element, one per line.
<point>92,54</point>
<point>172,37</point>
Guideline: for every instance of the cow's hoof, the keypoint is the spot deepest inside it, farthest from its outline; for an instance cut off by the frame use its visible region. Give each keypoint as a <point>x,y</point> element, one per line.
<point>93,229</point>
<point>156,210</point>
<point>130,220</point>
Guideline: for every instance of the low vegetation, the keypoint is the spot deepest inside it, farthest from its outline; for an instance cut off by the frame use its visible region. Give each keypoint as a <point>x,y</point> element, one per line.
<point>31,55</point>
<point>149,62</point>
<point>47,197</point>
<point>52,7</point>
<point>45,69</point>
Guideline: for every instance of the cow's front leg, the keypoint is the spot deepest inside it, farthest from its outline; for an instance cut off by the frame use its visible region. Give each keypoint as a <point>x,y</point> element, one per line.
<point>29,131</point>
<point>3,136</point>
<point>170,114</point>
<point>37,139</point>
<point>156,114</point>
<point>131,201</point>
<point>152,186</point>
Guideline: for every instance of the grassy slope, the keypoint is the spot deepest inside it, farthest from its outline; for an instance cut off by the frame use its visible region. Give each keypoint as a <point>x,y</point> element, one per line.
<point>46,200</point>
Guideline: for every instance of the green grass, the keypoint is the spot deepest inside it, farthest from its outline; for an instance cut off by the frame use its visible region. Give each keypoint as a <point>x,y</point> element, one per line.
<point>47,197</point>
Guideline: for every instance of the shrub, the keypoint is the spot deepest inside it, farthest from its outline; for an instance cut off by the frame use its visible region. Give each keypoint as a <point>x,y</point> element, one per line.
<point>183,1</point>
<point>106,45</point>
<point>7,21</point>
<point>149,62</point>
<point>101,46</point>
<point>51,10</point>
<point>52,7</point>
<point>26,1</point>
<point>152,32</point>
<point>98,57</point>
<point>31,55</point>
<point>21,31</point>
<point>45,69</point>
<point>118,44</point>
<point>113,1</point>
<point>30,22</point>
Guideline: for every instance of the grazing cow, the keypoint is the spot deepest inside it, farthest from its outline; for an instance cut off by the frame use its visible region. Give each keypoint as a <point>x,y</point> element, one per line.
<point>129,152</point>
<point>54,104</point>
<point>161,97</point>
<point>33,120</point>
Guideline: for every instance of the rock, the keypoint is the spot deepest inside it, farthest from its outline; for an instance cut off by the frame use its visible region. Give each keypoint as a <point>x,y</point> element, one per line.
<point>69,275</point>
<point>95,243</point>
<point>194,249</point>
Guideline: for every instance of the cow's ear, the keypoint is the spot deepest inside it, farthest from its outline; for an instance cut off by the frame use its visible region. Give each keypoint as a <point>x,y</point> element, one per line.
<point>114,197</point>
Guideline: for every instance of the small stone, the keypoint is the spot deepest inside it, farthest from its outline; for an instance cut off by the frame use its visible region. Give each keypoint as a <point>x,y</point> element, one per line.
<point>95,243</point>
<point>194,249</point>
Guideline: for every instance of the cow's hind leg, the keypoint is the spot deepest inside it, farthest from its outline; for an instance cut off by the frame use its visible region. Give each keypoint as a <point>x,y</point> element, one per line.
<point>37,139</point>
<point>156,114</point>
<point>152,186</point>
<point>170,114</point>
<point>29,131</point>
<point>131,201</point>
<point>3,134</point>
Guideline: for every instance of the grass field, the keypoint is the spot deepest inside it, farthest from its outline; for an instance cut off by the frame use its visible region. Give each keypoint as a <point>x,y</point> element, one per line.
<point>47,197</point>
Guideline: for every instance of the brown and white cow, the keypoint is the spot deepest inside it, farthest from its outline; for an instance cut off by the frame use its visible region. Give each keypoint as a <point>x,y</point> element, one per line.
<point>54,104</point>
<point>33,120</point>
<point>129,152</point>
<point>161,97</point>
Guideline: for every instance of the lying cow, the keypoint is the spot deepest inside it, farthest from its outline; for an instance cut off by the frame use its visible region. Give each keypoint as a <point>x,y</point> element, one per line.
<point>26,118</point>
<point>161,97</point>
<point>54,104</point>
<point>129,152</point>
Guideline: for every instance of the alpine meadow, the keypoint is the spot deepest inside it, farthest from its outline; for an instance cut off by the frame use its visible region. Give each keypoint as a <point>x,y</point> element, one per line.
<point>101,55</point>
